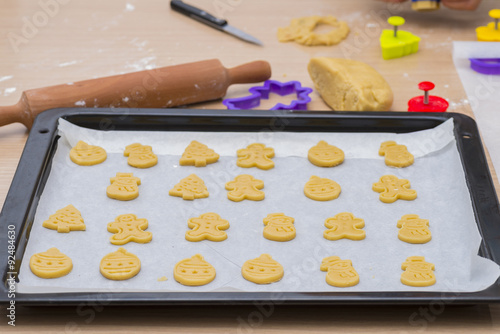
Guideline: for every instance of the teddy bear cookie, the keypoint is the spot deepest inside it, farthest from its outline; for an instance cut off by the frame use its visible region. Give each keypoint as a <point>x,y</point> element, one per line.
<point>198,155</point>
<point>140,156</point>
<point>84,154</point>
<point>344,226</point>
<point>396,155</point>
<point>124,187</point>
<point>194,271</point>
<point>325,155</point>
<point>255,155</point>
<point>209,226</point>
<point>190,188</point>
<point>279,227</point>
<point>65,220</point>
<point>321,189</point>
<point>262,270</point>
<point>414,230</point>
<point>417,272</point>
<point>340,273</point>
<point>120,265</point>
<point>129,228</point>
<point>245,187</point>
<point>391,189</point>
<point>50,264</point>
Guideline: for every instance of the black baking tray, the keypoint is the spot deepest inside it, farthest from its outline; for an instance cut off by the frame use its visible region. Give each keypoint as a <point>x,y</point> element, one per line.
<point>35,164</point>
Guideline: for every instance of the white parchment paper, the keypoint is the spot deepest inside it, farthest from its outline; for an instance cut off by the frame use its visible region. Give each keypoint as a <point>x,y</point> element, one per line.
<point>437,175</point>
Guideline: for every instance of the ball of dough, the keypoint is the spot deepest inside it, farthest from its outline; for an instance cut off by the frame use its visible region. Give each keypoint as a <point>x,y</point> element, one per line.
<point>350,85</point>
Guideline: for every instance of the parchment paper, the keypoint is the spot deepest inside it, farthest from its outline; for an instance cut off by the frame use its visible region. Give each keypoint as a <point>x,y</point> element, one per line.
<point>437,175</point>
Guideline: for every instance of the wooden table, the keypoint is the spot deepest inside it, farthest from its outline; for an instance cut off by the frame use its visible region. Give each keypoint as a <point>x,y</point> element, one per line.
<point>76,40</point>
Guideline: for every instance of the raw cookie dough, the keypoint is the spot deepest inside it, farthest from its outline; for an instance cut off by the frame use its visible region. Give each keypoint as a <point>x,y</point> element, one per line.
<point>344,226</point>
<point>84,154</point>
<point>140,156</point>
<point>321,189</point>
<point>414,230</point>
<point>50,264</point>
<point>194,271</point>
<point>198,154</point>
<point>340,273</point>
<point>120,265</point>
<point>325,155</point>
<point>350,85</point>
<point>396,155</point>
<point>245,187</point>
<point>255,155</point>
<point>129,228</point>
<point>190,188</point>
<point>279,227</point>
<point>209,226</point>
<point>391,189</point>
<point>417,272</point>
<point>124,187</point>
<point>301,30</point>
<point>262,270</point>
<point>65,220</point>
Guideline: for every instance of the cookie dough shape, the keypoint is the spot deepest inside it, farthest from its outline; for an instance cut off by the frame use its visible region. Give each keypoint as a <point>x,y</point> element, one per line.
<point>396,155</point>
<point>194,271</point>
<point>50,264</point>
<point>262,270</point>
<point>65,220</point>
<point>190,188</point>
<point>209,226</point>
<point>391,189</point>
<point>255,155</point>
<point>84,154</point>
<point>340,273</point>
<point>124,187</point>
<point>325,155</point>
<point>321,189</point>
<point>129,228</point>
<point>301,30</point>
<point>279,227</point>
<point>198,155</point>
<point>245,187</point>
<point>414,230</point>
<point>344,226</point>
<point>140,156</point>
<point>349,85</point>
<point>417,272</point>
<point>120,265</point>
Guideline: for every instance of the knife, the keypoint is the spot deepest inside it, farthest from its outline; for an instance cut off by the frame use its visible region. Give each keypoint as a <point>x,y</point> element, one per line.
<point>212,21</point>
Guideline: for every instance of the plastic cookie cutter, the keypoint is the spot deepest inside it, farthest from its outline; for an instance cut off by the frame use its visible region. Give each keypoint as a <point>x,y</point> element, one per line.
<point>485,65</point>
<point>425,5</point>
<point>491,32</point>
<point>427,103</point>
<point>397,44</point>
<point>271,86</point>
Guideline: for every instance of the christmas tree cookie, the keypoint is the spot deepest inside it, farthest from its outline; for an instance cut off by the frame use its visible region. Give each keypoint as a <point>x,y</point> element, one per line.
<point>209,226</point>
<point>84,154</point>
<point>198,154</point>
<point>50,264</point>
<point>65,220</point>
<point>194,271</point>
<point>140,156</point>
<point>190,188</point>
<point>340,273</point>
<point>255,155</point>
<point>120,265</point>
<point>129,228</point>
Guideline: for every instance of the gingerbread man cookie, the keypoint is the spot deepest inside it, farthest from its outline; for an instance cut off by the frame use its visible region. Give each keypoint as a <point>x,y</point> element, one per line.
<point>325,155</point>
<point>414,230</point>
<point>321,189</point>
<point>120,265</point>
<point>396,155</point>
<point>194,271</point>
<point>140,156</point>
<point>279,227</point>
<point>190,188</point>
<point>245,187</point>
<point>208,226</point>
<point>84,154</point>
<point>124,187</point>
<point>255,155</point>
<point>128,228</point>
<point>391,189</point>
<point>340,273</point>
<point>50,264</point>
<point>198,154</point>
<point>262,270</point>
<point>344,225</point>
<point>65,220</point>
<point>417,272</point>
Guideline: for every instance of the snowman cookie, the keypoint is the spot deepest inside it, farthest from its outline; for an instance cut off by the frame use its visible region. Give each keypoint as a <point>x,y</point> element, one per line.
<point>279,227</point>
<point>414,230</point>
<point>325,155</point>
<point>340,273</point>
<point>262,270</point>
<point>194,271</point>
<point>120,265</point>
<point>255,155</point>
<point>124,187</point>
<point>50,264</point>
<point>84,154</point>
<point>321,189</point>
<point>417,272</point>
<point>396,155</point>
<point>140,156</point>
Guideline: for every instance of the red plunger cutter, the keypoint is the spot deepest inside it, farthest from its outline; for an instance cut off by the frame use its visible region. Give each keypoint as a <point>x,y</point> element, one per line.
<point>427,103</point>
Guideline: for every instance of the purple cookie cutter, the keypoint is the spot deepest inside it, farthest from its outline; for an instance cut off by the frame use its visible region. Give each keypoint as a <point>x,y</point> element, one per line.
<point>272,86</point>
<point>485,65</point>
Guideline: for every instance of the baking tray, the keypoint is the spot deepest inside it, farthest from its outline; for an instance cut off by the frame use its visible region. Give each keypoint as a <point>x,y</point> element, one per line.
<point>35,164</point>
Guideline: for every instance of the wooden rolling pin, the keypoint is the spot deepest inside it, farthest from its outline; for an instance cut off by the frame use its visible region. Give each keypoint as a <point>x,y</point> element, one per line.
<point>158,88</point>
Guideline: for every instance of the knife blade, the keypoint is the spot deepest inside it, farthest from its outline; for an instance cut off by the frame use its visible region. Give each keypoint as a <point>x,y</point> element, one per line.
<point>212,21</point>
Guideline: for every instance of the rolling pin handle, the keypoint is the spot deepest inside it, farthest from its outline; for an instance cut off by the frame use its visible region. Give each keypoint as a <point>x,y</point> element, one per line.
<point>253,72</point>
<point>13,114</point>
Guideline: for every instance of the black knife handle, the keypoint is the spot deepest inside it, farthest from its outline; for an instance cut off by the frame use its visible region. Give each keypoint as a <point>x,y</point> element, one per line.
<point>197,14</point>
